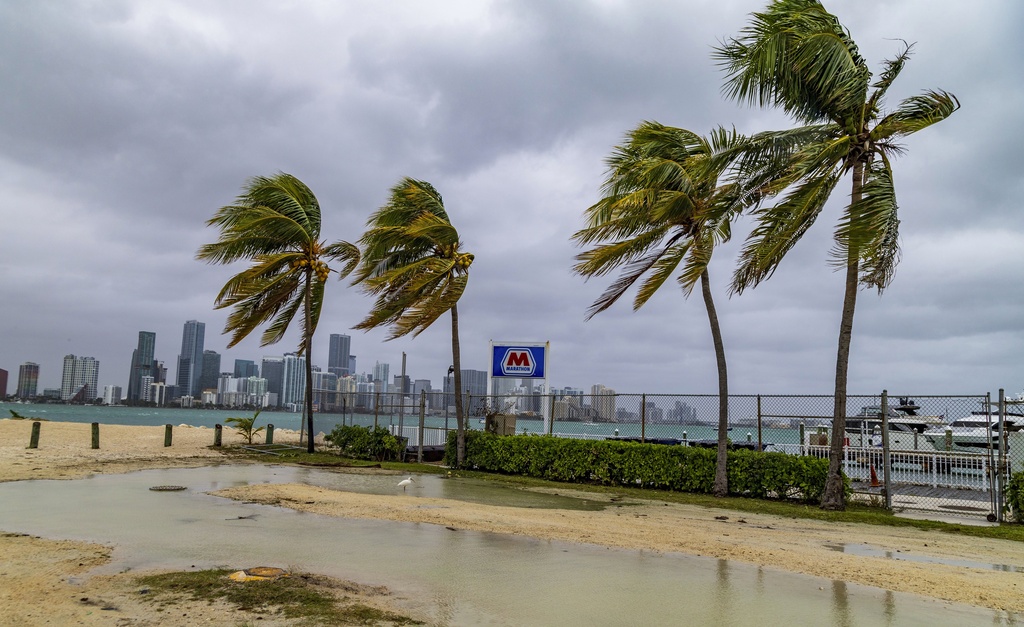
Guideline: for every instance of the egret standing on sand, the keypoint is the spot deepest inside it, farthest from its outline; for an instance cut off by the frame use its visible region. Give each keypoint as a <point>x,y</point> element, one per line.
<point>405,483</point>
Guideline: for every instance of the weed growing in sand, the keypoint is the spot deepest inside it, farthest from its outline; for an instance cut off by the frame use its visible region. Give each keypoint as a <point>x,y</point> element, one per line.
<point>312,599</point>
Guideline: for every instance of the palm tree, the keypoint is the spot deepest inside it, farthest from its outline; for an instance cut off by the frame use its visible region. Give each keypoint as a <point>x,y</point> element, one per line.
<point>275,224</point>
<point>413,262</point>
<point>797,56</point>
<point>663,206</point>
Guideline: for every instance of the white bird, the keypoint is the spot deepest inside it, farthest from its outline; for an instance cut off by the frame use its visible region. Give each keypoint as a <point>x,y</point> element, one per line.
<point>405,483</point>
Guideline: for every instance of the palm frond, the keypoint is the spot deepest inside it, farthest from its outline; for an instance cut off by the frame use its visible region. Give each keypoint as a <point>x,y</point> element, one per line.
<point>871,227</point>
<point>916,113</point>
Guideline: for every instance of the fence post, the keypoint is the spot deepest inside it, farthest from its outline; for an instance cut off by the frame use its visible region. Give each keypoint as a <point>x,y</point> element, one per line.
<point>551,409</point>
<point>95,435</point>
<point>217,435</point>
<point>423,419</point>
<point>1003,441</point>
<point>760,443</point>
<point>168,429</point>
<point>643,417</point>
<point>376,410</point>
<point>270,433</point>
<point>803,428</point>
<point>886,462</point>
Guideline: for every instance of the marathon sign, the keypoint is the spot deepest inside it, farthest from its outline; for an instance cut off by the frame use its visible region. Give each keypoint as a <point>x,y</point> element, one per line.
<point>524,362</point>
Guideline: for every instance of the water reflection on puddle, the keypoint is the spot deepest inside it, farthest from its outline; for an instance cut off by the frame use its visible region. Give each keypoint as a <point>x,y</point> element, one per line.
<point>457,577</point>
<point>867,550</point>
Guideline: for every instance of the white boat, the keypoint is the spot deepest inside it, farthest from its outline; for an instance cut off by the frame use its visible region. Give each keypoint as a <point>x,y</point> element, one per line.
<point>976,433</point>
<point>906,430</point>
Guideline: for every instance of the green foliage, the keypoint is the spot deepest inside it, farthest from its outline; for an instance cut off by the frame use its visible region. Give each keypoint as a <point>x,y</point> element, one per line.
<point>246,427</point>
<point>651,466</point>
<point>1015,496</point>
<point>365,442</point>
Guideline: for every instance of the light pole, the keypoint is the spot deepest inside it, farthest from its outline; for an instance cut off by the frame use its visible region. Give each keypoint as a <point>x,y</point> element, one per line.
<point>444,398</point>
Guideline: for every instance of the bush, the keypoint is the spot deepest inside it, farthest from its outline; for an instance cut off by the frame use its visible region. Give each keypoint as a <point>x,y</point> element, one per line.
<point>357,442</point>
<point>1015,496</point>
<point>654,466</point>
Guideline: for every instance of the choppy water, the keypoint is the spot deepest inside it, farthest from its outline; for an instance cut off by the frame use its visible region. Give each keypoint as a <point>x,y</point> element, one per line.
<point>457,577</point>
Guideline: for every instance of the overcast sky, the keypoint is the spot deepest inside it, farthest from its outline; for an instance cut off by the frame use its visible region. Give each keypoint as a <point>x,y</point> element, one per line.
<point>125,125</point>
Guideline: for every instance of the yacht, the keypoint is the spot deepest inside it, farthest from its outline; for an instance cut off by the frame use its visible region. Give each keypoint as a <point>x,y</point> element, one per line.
<point>906,429</point>
<point>976,433</point>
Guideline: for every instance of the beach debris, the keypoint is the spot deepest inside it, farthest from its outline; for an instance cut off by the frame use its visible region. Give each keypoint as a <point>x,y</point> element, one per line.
<point>167,488</point>
<point>721,518</point>
<point>259,573</point>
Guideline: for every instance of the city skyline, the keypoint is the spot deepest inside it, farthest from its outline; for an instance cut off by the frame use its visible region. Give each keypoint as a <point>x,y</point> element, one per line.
<point>127,127</point>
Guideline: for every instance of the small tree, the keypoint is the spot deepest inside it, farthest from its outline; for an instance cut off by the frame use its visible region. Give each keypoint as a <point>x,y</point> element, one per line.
<point>246,427</point>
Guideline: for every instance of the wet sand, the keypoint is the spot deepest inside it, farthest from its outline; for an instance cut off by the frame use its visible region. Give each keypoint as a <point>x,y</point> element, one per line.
<point>795,545</point>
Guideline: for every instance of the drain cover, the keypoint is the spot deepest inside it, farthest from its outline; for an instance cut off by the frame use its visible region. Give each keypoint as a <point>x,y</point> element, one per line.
<point>167,488</point>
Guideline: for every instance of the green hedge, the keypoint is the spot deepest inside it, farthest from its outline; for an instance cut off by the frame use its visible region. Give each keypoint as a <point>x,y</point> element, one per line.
<point>654,466</point>
<point>357,442</point>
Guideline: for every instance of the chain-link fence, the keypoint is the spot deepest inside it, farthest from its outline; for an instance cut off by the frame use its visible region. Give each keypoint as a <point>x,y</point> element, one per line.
<point>947,454</point>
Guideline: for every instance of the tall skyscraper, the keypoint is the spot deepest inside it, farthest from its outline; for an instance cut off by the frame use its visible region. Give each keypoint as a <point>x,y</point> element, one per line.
<point>210,371</point>
<point>28,380</point>
<point>380,377</point>
<point>245,368</point>
<point>143,365</point>
<point>78,381</point>
<point>338,355</point>
<point>190,359</point>
<point>293,386</point>
<point>272,370</point>
<point>112,394</point>
<point>3,384</point>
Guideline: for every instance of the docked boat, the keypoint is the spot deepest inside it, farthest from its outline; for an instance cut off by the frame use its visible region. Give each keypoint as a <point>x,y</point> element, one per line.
<point>976,433</point>
<point>906,429</point>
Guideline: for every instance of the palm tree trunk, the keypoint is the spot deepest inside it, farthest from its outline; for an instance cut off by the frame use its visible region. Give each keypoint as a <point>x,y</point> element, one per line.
<point>460,420</point>
<point>834,497</point>
<point>307,340</point>
<point>721,487</point>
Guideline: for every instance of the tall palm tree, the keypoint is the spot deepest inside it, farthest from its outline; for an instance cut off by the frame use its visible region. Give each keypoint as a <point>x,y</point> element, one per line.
<point>275,224</point>
<point>797,56</point>
<point>413,262</point>
<point>665,204</point>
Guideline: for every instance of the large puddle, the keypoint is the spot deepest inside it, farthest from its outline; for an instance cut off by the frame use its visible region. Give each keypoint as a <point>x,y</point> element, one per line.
<point>458,577</point>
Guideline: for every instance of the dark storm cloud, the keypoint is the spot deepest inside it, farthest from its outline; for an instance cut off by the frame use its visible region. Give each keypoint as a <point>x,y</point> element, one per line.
<point>124,126</point>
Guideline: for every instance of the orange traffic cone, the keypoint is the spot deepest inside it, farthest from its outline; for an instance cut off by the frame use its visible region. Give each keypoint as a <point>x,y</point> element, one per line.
<point>874,478</point>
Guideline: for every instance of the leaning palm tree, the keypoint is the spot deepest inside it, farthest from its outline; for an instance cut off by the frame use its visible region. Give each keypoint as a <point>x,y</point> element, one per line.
<point>797,56</point>
<point>275,224</point>
<point>413,262</point>
<point>666,204</point>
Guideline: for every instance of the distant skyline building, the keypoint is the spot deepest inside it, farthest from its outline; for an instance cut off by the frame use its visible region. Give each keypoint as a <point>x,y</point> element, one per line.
<point>3,383</point>
<point>79,379</point>
<point>210,371</point>
<point>111,394</point>
<point>338,354</point>
<point>28,380</point>
<point>190,359</point>
<point>380,377</point>
<point>293,385</point>
<point>143,365</point>
<point>245,368</point>
<point>272,369</point>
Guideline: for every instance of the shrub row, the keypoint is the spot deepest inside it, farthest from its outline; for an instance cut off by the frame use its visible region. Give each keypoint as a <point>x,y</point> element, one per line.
<point>655,466</point>
<point>357,442</point>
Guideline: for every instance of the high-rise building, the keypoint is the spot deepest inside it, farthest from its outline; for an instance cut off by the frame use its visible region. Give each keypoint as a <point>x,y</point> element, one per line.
<point>3,384</point>
<point>245,368</point>
<point>474,383</point>
<point>273,371</point>
<point>380,377</point>
<point>603,401</point>
<point>339,354</point>
<point>210,371</point>
<point>352,365</point>
<point>293,386</point>
<point>111,394</point>
<point>143,365</point>
<point>190,359</point>
<point>79,379</point>
<point>28,380</point>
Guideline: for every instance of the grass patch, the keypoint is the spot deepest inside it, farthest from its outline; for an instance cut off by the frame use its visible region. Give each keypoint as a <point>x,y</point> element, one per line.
<point>309,599</point>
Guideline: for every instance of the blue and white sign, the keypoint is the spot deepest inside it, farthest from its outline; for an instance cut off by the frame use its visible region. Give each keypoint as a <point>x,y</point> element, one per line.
<point>520,361</point>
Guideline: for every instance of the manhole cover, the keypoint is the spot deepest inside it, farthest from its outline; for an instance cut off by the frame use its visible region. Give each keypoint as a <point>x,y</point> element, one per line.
<point>167,488</point>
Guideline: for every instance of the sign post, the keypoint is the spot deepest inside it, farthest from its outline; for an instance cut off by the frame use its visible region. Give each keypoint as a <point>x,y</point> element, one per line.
<point>522,360</point>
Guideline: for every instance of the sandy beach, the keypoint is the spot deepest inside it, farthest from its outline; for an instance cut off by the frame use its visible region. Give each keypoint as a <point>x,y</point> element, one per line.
<point>45,580</point>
